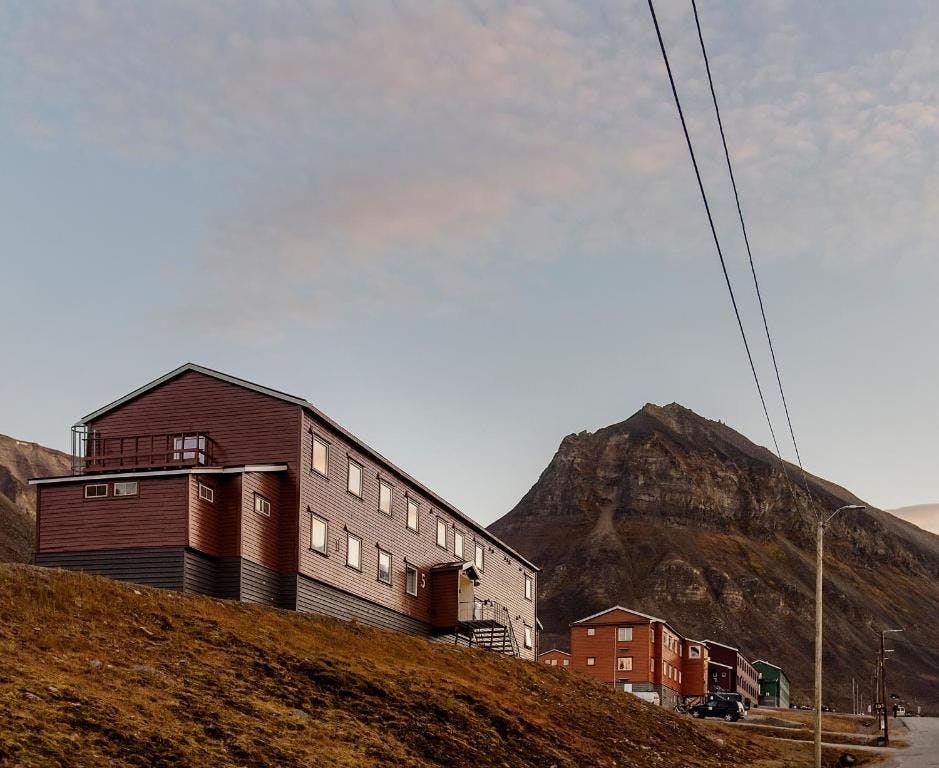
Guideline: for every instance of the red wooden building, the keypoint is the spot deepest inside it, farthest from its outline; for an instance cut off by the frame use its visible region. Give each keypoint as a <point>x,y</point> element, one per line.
<point>731,671</point>
<point>555,658</point>
<point>204,482</point>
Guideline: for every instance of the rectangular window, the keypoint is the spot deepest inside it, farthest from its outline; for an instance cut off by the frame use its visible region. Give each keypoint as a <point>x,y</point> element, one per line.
<point>319,530</point>
<point>567,662</point>
<point>96,491</point>
<point>591,661</point>
<point>353,551</point>
<point>385,497</point>
<point>384,566</point>
<point>355,478</point>
<point>479,558</point>
<point>624,664</point>
<point>530,638</point>
<point>320,456</point>
<point>458,543</point>
<point>206,492</point>
<point>529,587</point>
<point>441,533</point>
<point>189,447</point>
<point>125,489</point>
<point>413,523</point>
<point>261,505</point>
<point>411,574</point>
<point>624,634</point>
<point>591,631</point>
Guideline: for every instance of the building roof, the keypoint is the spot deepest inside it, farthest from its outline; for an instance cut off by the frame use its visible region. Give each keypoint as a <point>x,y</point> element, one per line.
<point>91,477</point>
<point>186,367</point>
<point>553,650</point>
<point>628,610</point>
<point>712,663</point>
<point>722,645</point>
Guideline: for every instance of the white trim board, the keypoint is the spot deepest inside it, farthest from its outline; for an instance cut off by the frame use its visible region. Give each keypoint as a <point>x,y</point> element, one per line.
<point>90,478</point>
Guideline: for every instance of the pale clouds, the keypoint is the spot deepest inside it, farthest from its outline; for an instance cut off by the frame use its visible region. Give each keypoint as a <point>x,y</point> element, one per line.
<point>407,157</point>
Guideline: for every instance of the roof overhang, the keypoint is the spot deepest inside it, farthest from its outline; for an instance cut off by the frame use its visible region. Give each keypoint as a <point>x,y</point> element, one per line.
<point>718,664</point>
<point>90,478</point>
<point>467,568</point>
<point>722,645</point>
<point>553,650</point>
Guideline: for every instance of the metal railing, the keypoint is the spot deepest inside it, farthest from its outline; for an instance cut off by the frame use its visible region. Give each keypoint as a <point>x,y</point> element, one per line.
<point>490,625</point>
<point>93,452</point>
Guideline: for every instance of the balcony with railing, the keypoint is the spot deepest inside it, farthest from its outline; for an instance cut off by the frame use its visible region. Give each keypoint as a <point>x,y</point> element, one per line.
<point>488,624</point>
<point>93,452</point>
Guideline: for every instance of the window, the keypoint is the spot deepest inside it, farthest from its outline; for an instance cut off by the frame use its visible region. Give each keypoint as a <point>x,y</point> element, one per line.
<point>96,491</point>
<point>694,651</point>
<point>384,566</point>
<point>567,662</point>
<point>591,631</point>
<point>411,579</point>
<point>125,489</point>
<point>552,662</point>
<point>591,661</point>
<point>355,478</point>
<point>206,492</point>
<point>320,456</point>
<point>318,534</point>
<point>413,522</point>
<point>529,587</point>
<point>441,533</point>
<point>624,664</point>
<point>353,551</point>
<point>530,637</point>
<point>384,497</point>
<point>189,447</point>
<point>479,558</point>
<point>261,505</point>
<point>458,543</point>
<point>624,634</point>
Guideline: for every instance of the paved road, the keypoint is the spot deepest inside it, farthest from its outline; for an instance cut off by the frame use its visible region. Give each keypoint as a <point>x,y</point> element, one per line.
<point>922,734</point>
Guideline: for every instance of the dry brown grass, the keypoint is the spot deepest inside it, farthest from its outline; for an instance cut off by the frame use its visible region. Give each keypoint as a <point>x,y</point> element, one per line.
<point>98,673</point>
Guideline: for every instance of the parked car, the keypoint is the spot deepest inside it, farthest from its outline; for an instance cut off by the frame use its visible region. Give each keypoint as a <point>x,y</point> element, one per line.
<point>718,706</point>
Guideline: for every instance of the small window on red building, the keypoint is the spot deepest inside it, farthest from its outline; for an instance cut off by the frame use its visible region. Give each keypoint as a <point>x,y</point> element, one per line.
<point>125,489</point>
<point>591,661</point>
<point>262,505</point>
<point>206,492</point>
<point>97,491</point>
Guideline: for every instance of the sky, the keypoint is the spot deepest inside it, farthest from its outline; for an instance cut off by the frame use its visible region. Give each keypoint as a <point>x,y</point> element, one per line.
<point>467,229</point>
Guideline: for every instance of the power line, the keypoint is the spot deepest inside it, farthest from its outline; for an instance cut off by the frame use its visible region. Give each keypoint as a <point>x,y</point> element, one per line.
<point>717,244</point>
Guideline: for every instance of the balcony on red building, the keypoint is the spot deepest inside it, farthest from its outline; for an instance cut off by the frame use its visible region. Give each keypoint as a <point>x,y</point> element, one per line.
<point>93,452</point>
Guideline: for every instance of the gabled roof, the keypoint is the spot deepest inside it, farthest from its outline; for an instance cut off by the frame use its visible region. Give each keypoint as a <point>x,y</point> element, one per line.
<point>628,610</point>
<point>295,400</point>
<point>553,650</point>
<point>722,645</point>
<point>718,664</point>
<point>768,664</point>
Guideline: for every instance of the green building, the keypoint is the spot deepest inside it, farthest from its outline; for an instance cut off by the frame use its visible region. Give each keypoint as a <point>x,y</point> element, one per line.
<point>774,685</point>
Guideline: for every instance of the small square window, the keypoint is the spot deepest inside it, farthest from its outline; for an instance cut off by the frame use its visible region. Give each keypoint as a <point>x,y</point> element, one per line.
<point>591,631</point>
<point>530,638</point>
<point>479,557</point>
<point>97,491</point>
<point>529,587</point>
<point>413,522</point>
<point>355,478</point>
<point>624,634</point>
<point>319,530</point>
<point>385,497</point>
<point>566,662</point>
<point>353,551</point>
<point>384,566</point>
<point>320,456</point>
<point>458,543</point>
<point>411,579</point>
<point>591,661</point>
<point>261,505</point>
<point>125,489</point>
<point>441,533</point>
<point>206,492</point>
<point>624,664</point>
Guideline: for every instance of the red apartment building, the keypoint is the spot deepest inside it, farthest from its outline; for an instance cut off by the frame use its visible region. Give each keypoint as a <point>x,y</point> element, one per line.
<point>203,482</point>
<point>730,671</point>
<point>555,658</point>
<point>639,653</point>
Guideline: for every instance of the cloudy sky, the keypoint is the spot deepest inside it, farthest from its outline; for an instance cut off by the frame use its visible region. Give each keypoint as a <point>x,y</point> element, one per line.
<point>466,229</point>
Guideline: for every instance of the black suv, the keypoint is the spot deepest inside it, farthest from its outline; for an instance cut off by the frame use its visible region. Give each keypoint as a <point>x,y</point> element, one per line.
<point>717,706</point>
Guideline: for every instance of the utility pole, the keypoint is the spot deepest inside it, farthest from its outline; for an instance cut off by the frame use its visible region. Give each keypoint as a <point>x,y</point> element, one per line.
<point>883,680</point>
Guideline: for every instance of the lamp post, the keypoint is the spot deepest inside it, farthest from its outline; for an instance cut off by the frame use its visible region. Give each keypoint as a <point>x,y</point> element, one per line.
<point>819,558</point>
<point>883,680</point>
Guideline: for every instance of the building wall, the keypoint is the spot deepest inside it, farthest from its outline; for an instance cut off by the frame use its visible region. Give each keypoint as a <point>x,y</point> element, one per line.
<point>155,517</point>
<point>502,578</point>
<point>694,670</point>
<point>720,678</point>
<point>555,658</point>
<point>747,680</point>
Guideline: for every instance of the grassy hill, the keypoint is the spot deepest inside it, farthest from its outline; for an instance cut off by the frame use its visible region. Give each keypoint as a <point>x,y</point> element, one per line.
<point>100,673</point>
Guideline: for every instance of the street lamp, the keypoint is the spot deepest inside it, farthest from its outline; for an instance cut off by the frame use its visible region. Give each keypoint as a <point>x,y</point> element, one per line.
<point>883,680</point>
<point>819,556</point>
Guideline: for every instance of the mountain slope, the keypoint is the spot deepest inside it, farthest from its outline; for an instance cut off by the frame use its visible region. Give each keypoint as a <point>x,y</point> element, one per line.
<point>925,516</point>
<point>685,518</point>
<point>100,673</point>
<point>19,461</point>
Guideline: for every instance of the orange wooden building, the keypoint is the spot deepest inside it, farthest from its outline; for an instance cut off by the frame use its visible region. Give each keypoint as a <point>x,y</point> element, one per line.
<point>555,658</point>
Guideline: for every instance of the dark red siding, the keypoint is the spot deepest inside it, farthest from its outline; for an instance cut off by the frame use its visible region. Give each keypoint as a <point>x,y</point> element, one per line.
<point>260,533</point>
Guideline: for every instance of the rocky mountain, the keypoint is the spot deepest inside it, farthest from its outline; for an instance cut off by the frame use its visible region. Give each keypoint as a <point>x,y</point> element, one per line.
<point>925,516</point>
<point>19,461</point>
<point>684,518</point>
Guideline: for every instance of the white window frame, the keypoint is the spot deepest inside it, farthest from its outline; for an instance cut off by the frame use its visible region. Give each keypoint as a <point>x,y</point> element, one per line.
<point>414,507</point>
<point>624,634</point>
<point>459,544</point>
<point>126,485</point>
<point>408,571</point>
<point>529,587</point>
<point>390,565</point>
<point>319,441</point>
<point>96,495</point>
<point>262,504</point>
<point>479,556</point>
<point>591,631</point>
<point>383,486</point>
<point>530,638</point>
<point>314,519</point>
<point>624,663</point>
<point>206,492</point>
<point>361,469</point>
<point>565,662</point>
<point>349,538</point>
<point>591,661</point>
<point>441,529</point>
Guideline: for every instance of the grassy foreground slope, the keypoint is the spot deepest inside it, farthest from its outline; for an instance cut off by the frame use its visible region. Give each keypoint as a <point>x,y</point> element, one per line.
<point>99,673</point>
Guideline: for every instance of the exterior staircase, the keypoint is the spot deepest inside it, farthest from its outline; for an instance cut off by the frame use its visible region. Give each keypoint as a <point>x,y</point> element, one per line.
<point>488,625</point>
